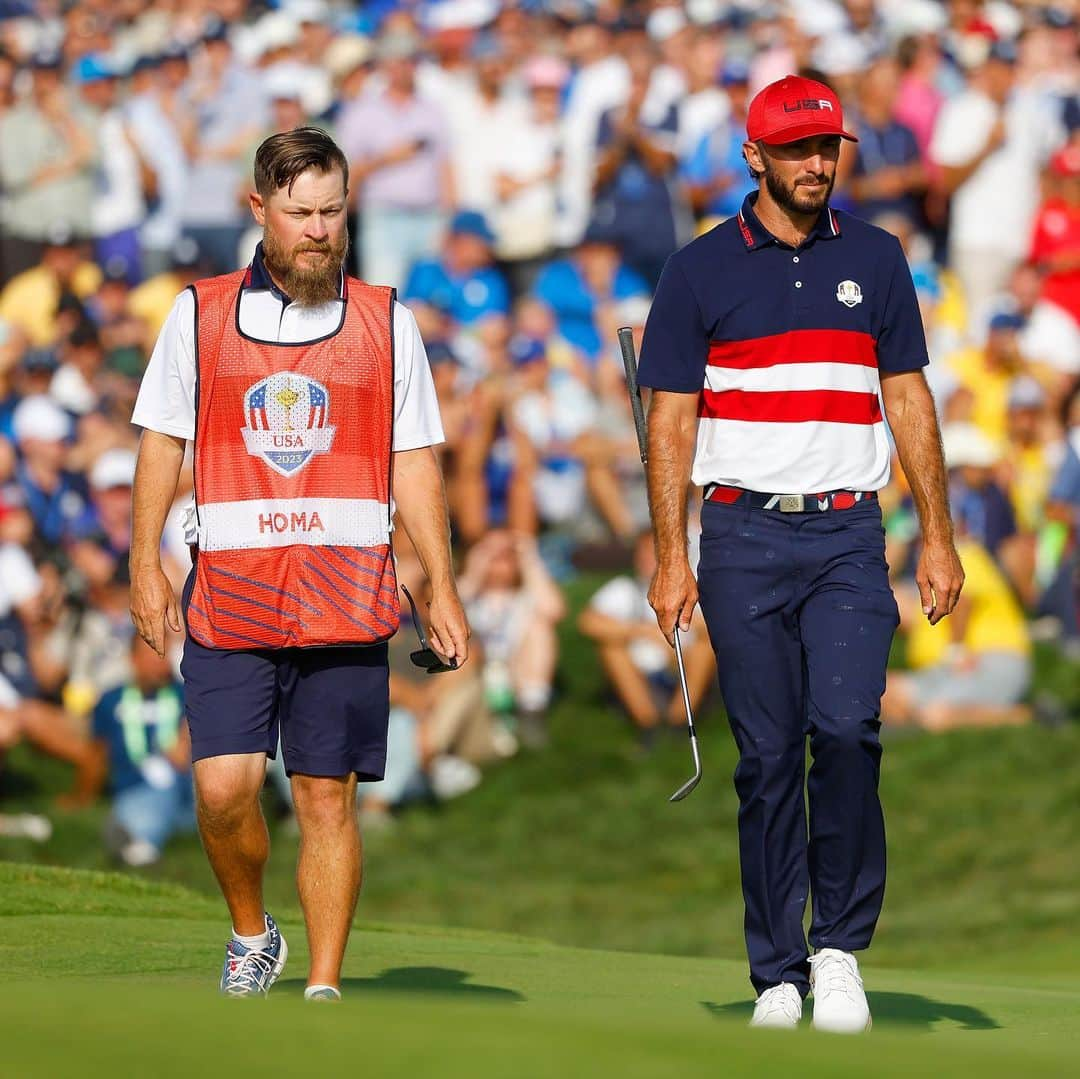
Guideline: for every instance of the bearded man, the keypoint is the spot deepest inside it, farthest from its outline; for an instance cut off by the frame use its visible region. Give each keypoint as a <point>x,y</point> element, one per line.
<point>308,398</point>
<point>777,345</point>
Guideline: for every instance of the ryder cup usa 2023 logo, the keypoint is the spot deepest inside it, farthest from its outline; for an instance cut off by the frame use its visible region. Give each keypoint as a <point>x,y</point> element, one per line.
<point>286,421</point>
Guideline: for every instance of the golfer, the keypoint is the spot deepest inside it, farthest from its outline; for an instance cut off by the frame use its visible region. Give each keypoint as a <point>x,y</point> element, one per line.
<point>771,346</point>
<point>308,397</point>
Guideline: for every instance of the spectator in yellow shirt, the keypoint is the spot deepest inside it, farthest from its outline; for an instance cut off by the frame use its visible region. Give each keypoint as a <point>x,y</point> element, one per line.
<point>31,300</point>
<point>974,668</point>
<point>988,371</point>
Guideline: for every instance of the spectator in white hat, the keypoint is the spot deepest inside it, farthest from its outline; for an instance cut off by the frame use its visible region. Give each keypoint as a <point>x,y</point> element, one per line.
<point>57,499</point>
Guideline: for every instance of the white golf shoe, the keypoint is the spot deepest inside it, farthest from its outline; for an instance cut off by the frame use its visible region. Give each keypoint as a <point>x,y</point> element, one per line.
<point>840,1005</point>
<point>779,1008</point>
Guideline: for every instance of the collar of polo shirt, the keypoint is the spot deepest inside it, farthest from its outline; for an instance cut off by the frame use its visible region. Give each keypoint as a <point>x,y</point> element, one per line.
<point>755,234</point>
<point>258,277</point>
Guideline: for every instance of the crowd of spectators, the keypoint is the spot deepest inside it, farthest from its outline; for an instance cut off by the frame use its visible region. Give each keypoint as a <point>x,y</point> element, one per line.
<point>520,172</point>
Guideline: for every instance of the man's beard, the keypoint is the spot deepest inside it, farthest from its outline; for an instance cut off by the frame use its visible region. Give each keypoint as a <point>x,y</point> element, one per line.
<point>312,286</point>
<point>795,199</point>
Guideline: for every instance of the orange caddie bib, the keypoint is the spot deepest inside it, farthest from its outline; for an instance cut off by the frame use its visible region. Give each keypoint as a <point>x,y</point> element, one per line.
<point>292,478</point>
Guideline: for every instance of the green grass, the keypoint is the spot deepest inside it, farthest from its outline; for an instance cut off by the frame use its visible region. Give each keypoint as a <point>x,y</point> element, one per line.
<point>579,847</point>
<point>105,975</point>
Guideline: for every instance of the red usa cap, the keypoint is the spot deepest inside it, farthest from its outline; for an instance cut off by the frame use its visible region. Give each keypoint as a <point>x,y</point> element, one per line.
<point>794,108</point>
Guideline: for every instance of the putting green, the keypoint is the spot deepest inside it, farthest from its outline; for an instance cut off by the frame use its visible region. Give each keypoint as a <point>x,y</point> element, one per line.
<point>109,975</point>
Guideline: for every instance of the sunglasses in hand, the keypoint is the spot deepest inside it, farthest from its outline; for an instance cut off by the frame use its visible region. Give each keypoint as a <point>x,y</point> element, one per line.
<point>433,662</point>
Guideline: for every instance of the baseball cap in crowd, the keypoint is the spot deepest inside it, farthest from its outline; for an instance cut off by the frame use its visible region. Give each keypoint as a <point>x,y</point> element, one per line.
<point>471,223</point>
<point>38,416</point>
<point>440,352</point>
<point>94,68</point>
<point>968,447</point>
<point>546,73</point>
<point>1006,320</point>
<point>39,361</point>
<point>46,60</point>
<point>1066,162</point>
<point>525,349</point>
<point>114,468</point>
<point>398,45</point>
<point>1004,51</point>
<point>1025,392</point>
<point>601,232</point>
<point>346,53</point>
<point>735,72</point>
<point>794,108</point>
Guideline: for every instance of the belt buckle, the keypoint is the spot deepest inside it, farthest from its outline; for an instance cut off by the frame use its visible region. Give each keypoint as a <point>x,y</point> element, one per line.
<point>792,503</point>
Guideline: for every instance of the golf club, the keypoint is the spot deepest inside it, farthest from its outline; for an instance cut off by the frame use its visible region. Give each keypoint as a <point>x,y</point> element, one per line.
<point>626,346</point>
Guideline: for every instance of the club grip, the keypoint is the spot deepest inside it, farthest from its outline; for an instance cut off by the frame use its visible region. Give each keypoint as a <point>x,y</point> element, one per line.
<point>629,359</point>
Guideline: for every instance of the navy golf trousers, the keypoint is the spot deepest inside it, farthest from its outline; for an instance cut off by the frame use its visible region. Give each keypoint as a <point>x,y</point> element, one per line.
<point>801,617</point>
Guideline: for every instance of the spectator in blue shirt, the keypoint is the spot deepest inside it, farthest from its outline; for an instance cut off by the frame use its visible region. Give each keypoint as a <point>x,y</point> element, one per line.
<point>142,745</point>
<point>715,173</point>
<point>635,163</point>
<point>582,291</point>
<point>888,176</point>
<point>57,500</point>
<point>462,286</point>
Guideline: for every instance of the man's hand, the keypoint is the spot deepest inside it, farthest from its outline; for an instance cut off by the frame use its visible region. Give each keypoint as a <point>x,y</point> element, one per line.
<point>940,577</point>
<point>449,630</point>
<point>673,596</point>
<point>153,607</point>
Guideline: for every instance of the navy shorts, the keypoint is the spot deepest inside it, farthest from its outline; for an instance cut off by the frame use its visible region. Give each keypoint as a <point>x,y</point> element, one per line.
<point>331,706</point>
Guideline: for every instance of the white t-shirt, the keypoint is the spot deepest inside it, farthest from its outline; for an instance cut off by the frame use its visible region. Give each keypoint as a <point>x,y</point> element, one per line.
<point>19,580</point>
<point>627,600</point>
<point>166,401</point>
<point>994,208</point>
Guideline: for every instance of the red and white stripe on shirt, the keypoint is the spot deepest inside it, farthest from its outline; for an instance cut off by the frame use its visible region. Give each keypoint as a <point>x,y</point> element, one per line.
<point>796,412</point>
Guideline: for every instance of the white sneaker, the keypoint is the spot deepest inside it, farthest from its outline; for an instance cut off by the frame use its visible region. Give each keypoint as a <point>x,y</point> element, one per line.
<point>779,1007</point>
<point>840,1005</point>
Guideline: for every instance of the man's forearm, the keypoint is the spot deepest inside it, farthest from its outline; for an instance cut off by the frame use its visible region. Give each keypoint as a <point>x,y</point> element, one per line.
<point>671,450</point>
<point>918,443</point>
<point>160,460</point>
<point>421,505</point>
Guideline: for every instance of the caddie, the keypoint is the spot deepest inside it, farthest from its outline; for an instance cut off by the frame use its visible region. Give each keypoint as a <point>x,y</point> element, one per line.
<point>311,408</point>
<point>777,346</point>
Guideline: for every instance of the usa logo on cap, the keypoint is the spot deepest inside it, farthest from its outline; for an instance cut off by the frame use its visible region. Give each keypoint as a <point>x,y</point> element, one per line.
<point>286,421</point>
<point>795,108</point>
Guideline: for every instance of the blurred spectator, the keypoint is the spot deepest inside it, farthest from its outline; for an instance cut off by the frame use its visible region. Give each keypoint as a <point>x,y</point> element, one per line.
<point>155,116</point>
<point>973,669</point>
<point>635,167</point>
<point>637,661</point>
<point>888,175</point>
<point>118,208</point>
<point>462,289</point>
<point>33,299</point>
<point>1055,245</point>
<point>226,110</point>
<point>75,385</point>
<point>976,495</point>
<point>48,152</point>
<point>715,172</point>
<point>528,155</point>
<point>142,749</point>
<point>988,372</point>
<point>919,97</point>
<point>513,607</point>
<point>25,597</point>
<point>990,143</point>
<point>152,301</point>
<point>58,500</point>
<point>581,290</point>
<point>396,143</point>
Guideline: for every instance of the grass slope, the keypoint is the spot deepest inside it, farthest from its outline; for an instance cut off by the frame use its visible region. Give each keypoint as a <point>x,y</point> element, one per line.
<point>111,976</point>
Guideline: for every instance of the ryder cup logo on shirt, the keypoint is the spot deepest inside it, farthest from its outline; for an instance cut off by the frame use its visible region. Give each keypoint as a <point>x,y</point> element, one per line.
<point>286,424</point>
<point>849,293</point>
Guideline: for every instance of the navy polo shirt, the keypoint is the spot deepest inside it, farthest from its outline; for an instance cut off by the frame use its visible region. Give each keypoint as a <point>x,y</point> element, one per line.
<point>738,283</point>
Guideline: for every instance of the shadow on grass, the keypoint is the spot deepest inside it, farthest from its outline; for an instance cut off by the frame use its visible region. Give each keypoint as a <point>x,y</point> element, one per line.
<point>888,1009</point>
<point>440,981</point>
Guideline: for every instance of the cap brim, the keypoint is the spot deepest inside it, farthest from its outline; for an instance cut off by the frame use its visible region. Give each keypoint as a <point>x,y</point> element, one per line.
<point>802,131</point>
